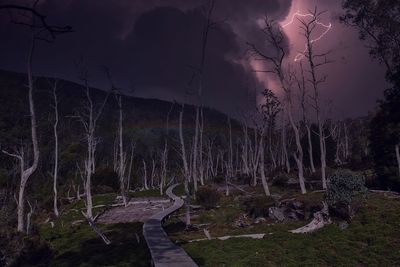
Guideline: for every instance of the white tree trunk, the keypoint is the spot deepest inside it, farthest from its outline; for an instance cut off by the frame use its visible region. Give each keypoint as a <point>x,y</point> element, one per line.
<point>299,154</point>
<point>284,148</point>
<point>310,149</point>
<point>262,170</point>
<point>26,173</point>
<point>145,175</point>
<point>398,156</point>
<point>185,169</point>
<point>121,154</point>
<point>55,128</point>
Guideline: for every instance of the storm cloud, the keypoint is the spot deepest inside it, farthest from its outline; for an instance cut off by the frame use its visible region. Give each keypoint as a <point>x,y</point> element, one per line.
<point>151,47</point>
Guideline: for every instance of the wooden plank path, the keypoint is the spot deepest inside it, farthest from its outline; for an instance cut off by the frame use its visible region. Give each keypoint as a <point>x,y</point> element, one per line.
<point>163,252</point>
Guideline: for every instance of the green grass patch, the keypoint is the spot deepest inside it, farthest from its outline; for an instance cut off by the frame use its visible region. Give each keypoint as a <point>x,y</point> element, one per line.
<point>146,193</point>
<point>372,239</point>
<point>80,246</point>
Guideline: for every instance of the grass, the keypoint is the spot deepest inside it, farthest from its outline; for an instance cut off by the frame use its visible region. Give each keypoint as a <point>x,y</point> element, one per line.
<point>146,193</point>
<point>79,245</point>
<point>372,239</point>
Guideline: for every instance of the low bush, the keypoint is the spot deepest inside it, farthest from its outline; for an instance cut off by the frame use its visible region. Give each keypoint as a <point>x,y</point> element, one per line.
<point>105,179</point>
<point>343,186</point>
<point>207,197</point>
<point>244,179</point>
<point>258,206</point>
<point>280,180</point>
<point>219,179</point>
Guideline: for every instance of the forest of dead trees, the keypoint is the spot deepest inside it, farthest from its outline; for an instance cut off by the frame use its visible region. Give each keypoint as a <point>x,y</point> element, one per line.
<point>291,133</point>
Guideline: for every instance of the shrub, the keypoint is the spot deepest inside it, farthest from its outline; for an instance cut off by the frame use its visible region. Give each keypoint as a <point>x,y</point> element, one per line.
<point>343,185</point>
<point>207,197</point>
<point>258,207</point>
<point>280,180</point>
<point>244,179</point>
<point>219,179</point>
<point>105,178</point>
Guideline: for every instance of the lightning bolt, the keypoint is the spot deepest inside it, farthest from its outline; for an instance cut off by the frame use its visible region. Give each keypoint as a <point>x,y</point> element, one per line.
<point>327,28</point>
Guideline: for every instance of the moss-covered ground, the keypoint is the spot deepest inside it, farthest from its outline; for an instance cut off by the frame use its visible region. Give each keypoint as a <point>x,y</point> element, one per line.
<point>372,238</point>
<point>79,245</point>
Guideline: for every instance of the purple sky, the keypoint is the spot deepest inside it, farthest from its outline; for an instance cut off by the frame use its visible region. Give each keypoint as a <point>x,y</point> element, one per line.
<point>150,45</point>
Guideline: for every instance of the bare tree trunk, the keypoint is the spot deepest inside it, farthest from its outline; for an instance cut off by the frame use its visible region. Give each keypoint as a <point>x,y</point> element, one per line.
<point>201,163</point>
<point>55,128</point>
<point>121,154</point>
<point>303,91</point>
<point>153,173</point>
<point>164,160</point>
<point>29,218</point>
<point>245,150</point>
<point>262,170</point>
<point>346,142</point>
<point>89,119</point>
<point>308,28</point>
<point>185,169</point>
<point>230,149</point>
<point>398,156</point>
<point>145,175</point>
<point>26,173</point>
<point>299,155</point>
<point>310,149</point>
<point>195,150</point>
<point>284,148</point>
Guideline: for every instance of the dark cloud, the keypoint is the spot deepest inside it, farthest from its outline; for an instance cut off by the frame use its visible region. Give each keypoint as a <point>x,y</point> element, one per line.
<point>150,45</point>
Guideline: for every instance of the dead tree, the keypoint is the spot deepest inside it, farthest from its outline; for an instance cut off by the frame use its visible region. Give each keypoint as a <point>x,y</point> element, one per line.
<point>121,155</point>
<point>262,163</point>
<point>89,117</point>
<point>56,149</point>
<point>145,185</point>
<point>270,109</point>
<point>301,83</point>
<point>164,155</point>
<point>275,65</point>
<point>186,173</point>
<point>230,159</point>
<point>397,150</point>
<point>41,30</point>
<point>120,159</point>
<point>315,61</point>
<point>197,159</point>
<point>128,182</point>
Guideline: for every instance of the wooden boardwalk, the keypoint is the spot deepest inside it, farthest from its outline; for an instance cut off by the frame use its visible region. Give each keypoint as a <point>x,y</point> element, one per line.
<point>163,252</point>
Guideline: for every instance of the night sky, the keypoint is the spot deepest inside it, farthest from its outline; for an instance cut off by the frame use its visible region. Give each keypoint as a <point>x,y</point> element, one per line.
<point>150,47</point>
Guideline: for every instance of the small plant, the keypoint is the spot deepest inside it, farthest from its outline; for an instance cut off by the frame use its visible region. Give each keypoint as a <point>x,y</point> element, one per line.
<point>342,187</point>
<point>280,180</point>
<point>258,206</point>
<point>207,197</point>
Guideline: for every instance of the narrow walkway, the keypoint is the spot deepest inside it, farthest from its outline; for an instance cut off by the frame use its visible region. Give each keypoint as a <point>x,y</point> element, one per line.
<point>163,251</point>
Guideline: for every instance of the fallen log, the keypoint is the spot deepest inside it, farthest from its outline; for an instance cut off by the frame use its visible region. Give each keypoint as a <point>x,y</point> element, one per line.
<point>321,218</point>
<point>254,236</point>
<point>97,230</point>
<point>240,189</point>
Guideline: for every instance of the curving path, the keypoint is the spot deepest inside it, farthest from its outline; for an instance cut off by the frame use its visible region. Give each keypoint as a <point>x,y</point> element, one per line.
<point>163,251</point>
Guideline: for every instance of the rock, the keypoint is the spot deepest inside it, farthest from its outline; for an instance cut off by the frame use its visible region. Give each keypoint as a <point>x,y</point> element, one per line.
<point>259,220</point>
<point>343,225</point>
<point>292,181</point>
<point>242,221</point>
<point>77,222</point>
<point>276,214</point>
